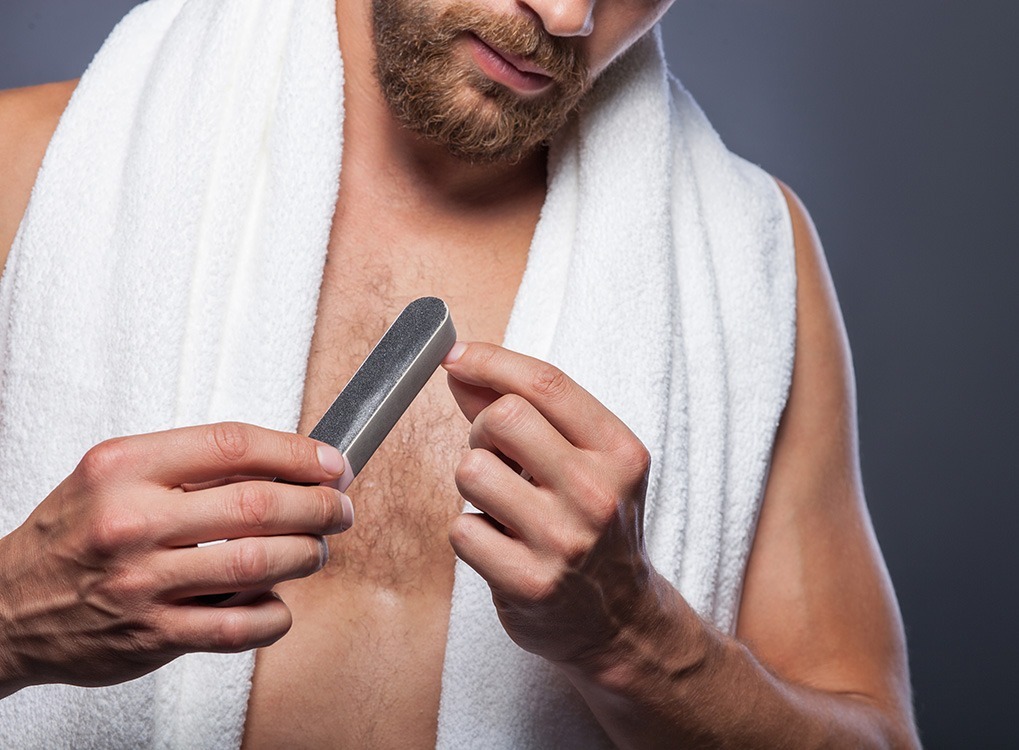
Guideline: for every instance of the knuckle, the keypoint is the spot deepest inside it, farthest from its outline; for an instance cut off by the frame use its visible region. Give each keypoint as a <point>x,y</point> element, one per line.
<point>114,530</point>
<point>537,585</point>
<point>550,382</point>
<point>104,462</point>
<point>249,565</point>
<point>583,480</point>
<point>635,459</point>
<point>328,514</point>
<point>484,358</point>
<point>255,505</point>
<point>599,502</point>
<point>149,641</point>
<point>601,494</point>
<point>135,585</point>
<point>604,512</point>
<point>472,469</point>
<point>603,509</point>
<point>232,631</point>
<point>506,413</point>
<point>173,636</point>
<point>148,637</point>
<point>229,442</point>
<point>572,548</point>
<point>301,452</point>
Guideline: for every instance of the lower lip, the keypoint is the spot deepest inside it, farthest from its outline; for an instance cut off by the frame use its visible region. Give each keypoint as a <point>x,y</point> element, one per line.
<point>500,70</point>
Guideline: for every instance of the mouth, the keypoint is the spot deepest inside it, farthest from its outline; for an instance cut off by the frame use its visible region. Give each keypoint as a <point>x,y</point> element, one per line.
<point>512,71</point>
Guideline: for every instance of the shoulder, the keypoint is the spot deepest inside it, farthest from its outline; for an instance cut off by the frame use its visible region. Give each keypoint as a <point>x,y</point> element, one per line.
<point>805,238</point>
<point>28,118</point>
<point>822,347</point>
<point>821,410</point>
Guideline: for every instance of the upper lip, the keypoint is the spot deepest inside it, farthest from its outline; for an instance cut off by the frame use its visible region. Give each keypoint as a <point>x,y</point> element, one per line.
<point>517,61</point>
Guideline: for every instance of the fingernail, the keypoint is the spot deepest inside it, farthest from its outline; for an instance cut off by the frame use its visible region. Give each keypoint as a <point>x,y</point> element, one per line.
<point>324,552</point>
<point>347,519</point>
<point>330,459</point>
<point>455,353</point>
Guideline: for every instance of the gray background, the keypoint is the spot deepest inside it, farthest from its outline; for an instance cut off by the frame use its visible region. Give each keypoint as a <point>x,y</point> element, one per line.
<point>897,123</point>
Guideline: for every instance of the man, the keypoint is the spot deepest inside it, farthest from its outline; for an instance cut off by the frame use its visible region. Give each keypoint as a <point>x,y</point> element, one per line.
<point>99,583</point>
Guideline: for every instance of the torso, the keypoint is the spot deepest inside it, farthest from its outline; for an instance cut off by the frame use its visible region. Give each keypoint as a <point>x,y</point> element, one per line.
<point>362,665</point>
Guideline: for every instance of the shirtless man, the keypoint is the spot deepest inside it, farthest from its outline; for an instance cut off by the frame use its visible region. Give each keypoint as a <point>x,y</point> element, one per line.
<point>819,652</point>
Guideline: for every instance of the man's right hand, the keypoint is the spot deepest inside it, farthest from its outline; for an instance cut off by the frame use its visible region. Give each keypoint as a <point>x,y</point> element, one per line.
<point>99,585</point>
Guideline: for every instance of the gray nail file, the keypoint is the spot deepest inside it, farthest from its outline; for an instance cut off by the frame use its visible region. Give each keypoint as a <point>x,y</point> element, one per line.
<point>377,395</point>
<point>387,381</point>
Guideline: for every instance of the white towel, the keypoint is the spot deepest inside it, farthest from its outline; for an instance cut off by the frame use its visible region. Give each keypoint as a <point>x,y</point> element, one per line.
<point>167,273</point>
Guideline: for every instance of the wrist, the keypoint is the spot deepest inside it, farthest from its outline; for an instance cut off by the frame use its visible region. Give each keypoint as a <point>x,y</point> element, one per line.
<point>659,644</point>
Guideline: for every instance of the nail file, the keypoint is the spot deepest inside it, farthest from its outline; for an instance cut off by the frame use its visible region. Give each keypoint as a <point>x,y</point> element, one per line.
<point>377,395</point>
<point>386,382</point>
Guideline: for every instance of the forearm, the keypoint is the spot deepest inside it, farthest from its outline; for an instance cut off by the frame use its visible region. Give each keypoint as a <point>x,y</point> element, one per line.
<point>670,679</point>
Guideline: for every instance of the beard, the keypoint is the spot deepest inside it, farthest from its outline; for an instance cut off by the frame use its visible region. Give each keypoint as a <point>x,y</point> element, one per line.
<point>434,92</point>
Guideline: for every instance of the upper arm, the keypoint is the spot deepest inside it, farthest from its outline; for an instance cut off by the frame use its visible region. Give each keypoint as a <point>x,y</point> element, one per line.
<point>28,118</point>
<point>818,607</point>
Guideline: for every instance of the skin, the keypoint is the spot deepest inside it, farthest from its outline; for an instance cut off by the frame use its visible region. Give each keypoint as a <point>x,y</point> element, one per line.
<point>819,650</point>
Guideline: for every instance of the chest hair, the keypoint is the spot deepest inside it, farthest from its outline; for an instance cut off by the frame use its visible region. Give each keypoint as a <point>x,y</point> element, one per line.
<point>405,497</point>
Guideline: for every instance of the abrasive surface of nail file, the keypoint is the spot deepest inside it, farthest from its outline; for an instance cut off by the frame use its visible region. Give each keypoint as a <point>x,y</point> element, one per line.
<point>387,381</point>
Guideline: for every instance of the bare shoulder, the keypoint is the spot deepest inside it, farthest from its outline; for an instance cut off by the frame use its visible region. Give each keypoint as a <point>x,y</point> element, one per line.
<point>28,117</point>
<point>822,347</point>
<point>821,411</point>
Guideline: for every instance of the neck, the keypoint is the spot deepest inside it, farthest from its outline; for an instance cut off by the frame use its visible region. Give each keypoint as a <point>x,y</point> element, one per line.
<point>419,173</point>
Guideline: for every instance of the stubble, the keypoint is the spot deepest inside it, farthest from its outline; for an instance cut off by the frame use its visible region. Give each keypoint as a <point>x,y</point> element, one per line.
<point>433,91</point>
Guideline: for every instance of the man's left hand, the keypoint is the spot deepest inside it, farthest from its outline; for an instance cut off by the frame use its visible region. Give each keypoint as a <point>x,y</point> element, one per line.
<point>560,483</point>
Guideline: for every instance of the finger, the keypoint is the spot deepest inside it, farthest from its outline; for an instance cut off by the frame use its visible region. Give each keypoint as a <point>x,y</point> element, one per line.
<point>238,565</point>
<point>478,439</point>
<point>495,489</point>
<point>470,398</point>
<point>194,455</point>
<point>196,486</point>
<point>506,564</point>
<point>513,428</point>
<point>252,508</point>
<point>228,630</point>
<point>574,412</point>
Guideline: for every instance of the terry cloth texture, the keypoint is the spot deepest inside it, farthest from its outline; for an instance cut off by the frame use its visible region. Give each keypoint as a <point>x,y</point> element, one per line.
<point>167,273</point>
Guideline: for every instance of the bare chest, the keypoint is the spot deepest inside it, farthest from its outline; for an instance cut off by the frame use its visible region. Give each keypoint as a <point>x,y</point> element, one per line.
<point>404,497</point>
<point>362,664</point>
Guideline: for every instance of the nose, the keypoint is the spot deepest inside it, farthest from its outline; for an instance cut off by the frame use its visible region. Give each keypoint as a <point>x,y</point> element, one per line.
<point>563,17</point>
